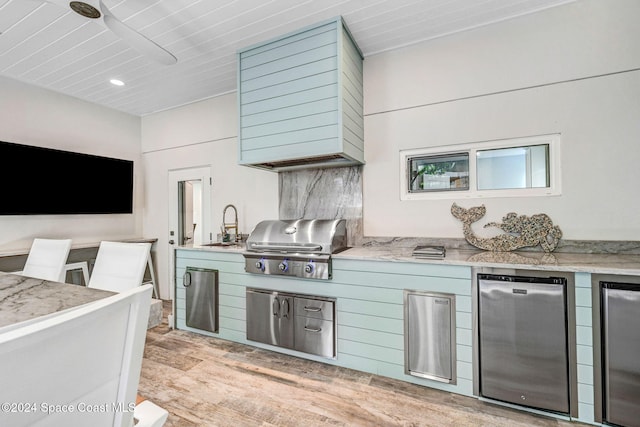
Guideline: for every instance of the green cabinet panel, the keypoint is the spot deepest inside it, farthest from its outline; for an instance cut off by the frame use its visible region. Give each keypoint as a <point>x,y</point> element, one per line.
<point>300,97</point>
<point>359,306</point>
<point>371,351</point>
<point>363,321</point>
<point>232,301</point>
<point>369,308</point>
<point>380,283</point>
<point>371,336</point>
<point>404,268</point>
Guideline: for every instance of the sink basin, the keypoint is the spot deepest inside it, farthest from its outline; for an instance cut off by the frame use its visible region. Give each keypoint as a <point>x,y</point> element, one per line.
<point>222,244</point>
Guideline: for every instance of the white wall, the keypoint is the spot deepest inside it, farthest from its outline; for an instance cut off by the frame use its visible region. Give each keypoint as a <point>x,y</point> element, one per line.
<point>572,70</point>
<point>201,134</point>
<point>34,116</point>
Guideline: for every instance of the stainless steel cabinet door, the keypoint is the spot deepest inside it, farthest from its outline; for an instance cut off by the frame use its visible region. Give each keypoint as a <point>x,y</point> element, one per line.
<point>523,344</point>
<point>430,338</point>
<point>270,318</point>
<point>201,287</point>
<point>621,335</point>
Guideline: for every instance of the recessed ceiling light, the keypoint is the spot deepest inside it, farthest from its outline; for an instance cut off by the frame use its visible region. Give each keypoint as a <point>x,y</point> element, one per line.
<point>117,82</point>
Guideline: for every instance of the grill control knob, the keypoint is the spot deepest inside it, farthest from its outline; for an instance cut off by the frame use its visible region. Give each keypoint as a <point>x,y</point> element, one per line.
<point>284,266</point>
<point>260,265</point>
<point>309,268</point>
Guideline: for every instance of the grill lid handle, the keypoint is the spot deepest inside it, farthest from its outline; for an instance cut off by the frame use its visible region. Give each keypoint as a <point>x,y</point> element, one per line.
<point>284,247</point>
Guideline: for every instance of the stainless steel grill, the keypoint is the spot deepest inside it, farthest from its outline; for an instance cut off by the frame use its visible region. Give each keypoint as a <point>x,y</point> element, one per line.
<point>296,248</point>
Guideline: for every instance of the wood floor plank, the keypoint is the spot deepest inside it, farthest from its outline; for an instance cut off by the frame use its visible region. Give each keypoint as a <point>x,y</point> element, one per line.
<point>204,381</point>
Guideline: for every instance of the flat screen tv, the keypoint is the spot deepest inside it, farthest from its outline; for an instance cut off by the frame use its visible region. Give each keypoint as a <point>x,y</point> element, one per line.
<point>44,181</point>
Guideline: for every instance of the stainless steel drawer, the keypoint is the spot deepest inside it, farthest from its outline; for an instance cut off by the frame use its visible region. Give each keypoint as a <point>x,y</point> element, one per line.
<point>314,308</point>
<point>315,336</point>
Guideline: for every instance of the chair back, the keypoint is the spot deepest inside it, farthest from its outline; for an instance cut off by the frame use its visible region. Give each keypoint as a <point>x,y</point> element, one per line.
<point>79,368</point>
<point>148,414</point>
<point>119,266</point>
<point>47,259</point>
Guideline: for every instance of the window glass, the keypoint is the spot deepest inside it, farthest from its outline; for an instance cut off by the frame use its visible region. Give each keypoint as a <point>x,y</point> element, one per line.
<point>515,167</point>
<point>439,173</point>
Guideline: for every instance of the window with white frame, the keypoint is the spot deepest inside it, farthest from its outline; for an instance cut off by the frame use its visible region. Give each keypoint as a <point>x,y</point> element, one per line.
<point>518,167</point>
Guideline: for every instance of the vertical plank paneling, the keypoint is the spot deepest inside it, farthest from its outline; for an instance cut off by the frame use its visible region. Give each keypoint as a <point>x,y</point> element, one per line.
<point>352,97</point>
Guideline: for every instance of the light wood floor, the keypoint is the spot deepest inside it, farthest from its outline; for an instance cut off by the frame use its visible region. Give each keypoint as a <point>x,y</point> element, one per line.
<point>206,381</point>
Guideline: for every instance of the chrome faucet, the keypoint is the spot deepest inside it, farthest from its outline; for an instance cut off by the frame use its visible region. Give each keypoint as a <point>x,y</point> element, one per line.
<point>226,226</point>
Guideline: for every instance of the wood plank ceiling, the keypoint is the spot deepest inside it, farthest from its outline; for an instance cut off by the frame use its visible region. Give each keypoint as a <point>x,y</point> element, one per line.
<point>46,44</point>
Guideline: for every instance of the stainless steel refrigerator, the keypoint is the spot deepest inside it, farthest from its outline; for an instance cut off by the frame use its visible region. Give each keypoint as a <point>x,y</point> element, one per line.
<point>621,353</point>
<point>523,341</point>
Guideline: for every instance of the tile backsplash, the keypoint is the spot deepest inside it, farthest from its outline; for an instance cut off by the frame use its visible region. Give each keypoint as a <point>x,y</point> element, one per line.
<point>333,193</point>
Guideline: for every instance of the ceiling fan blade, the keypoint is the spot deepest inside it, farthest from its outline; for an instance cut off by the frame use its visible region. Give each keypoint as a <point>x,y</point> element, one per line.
<point>139,42</point>
<point>135,39</point>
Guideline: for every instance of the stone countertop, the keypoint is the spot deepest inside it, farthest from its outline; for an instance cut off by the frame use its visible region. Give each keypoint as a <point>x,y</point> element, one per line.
<point>572,262</point>
<point>230,248</point>
<point>24,298</point>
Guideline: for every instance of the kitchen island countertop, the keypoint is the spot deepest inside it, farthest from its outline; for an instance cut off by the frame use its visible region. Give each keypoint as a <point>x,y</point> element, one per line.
<point>26,298</point>
<point>561,261</point>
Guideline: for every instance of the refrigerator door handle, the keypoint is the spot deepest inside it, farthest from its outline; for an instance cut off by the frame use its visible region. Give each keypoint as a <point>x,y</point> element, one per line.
<point>186,279</point>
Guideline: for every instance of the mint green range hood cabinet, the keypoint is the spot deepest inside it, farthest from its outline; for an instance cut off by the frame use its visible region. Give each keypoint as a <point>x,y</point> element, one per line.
<point>300,100</point>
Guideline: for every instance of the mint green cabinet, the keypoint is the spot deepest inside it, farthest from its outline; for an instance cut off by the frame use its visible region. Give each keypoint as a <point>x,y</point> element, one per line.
<point>371,316</point>
<point>300,97</point>
<point>369,308</point>
<point>231,291</point>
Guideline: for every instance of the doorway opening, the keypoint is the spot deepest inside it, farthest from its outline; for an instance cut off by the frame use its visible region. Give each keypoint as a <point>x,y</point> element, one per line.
<point>189,212</point>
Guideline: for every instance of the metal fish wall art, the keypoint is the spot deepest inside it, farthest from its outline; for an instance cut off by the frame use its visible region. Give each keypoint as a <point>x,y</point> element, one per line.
<point>521,230</point>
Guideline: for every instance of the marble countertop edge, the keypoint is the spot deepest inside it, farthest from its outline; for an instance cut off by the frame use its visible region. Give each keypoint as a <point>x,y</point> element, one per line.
<point>587,263</point>
<point>570,262</point>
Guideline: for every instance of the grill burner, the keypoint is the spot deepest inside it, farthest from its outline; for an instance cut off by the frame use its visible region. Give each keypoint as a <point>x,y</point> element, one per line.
<point>297,248</point>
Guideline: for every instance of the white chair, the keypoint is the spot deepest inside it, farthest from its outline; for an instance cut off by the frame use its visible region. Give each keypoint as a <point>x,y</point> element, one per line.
<point>47,259</point>
<point>79,368</point>
<point>148,414</point>
<point>119,266</point>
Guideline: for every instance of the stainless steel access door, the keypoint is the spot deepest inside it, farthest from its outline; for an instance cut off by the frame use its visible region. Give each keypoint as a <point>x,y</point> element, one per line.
<point>621,350</point>
<point>270,317</point>
<point>430,335</point>
<point>523,341</point>
<point>201,288</point>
